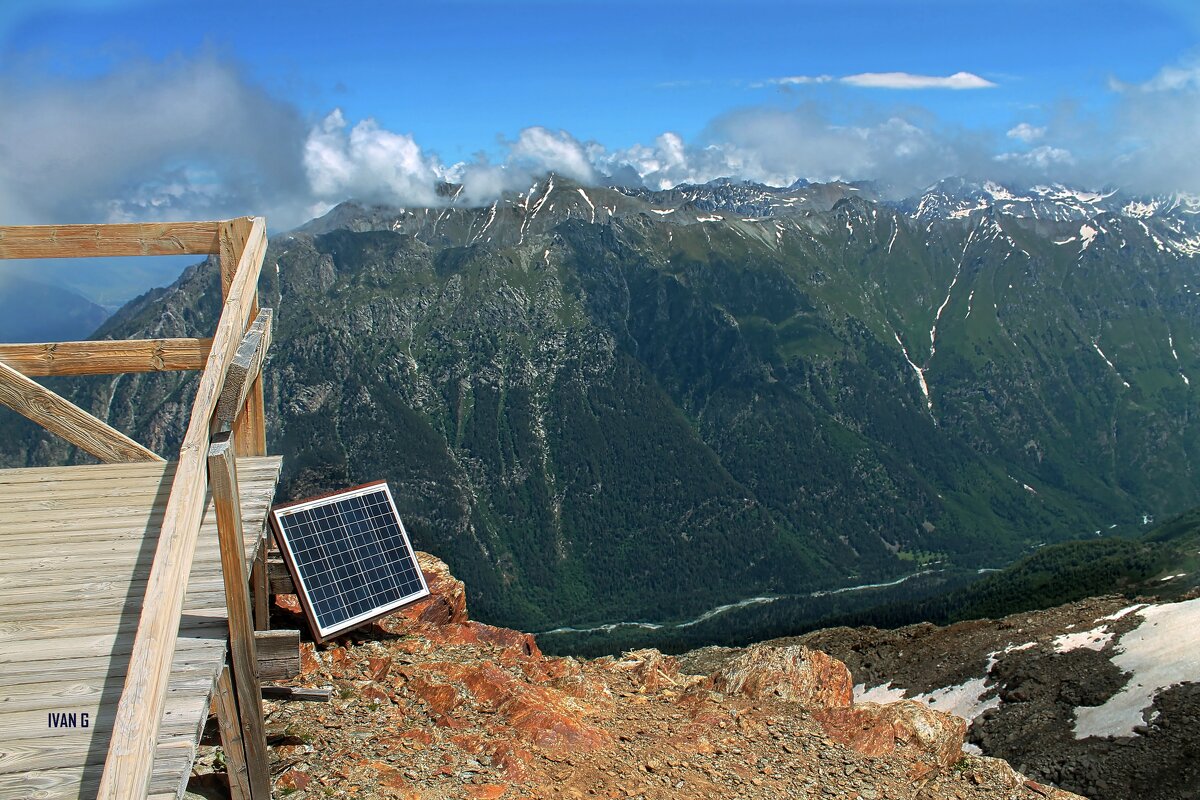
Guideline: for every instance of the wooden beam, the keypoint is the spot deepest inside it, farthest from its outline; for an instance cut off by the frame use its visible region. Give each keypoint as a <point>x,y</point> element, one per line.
<point>60,416</point>
<point>232,235</point>
<point>222,479</point>
<point>231,737</point>
<point>245,368</point>
<point>249,426</point>
<point>139,714</point>
<point>106,357</point>
<point>297,693</point>
<point>260,590</point>
<point>278,654</point>
<point>279,578</point>
<point>136,239</point>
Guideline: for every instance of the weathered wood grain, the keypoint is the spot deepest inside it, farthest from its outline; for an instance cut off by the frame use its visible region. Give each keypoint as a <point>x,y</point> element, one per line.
<point>135,239</point>
<point>77,661</point>
<point>106,357</point>
<point>64,418</point>
<point>231,737</point>
<point>222,477</point>
<point>245,368</point>
<point>127,769</point>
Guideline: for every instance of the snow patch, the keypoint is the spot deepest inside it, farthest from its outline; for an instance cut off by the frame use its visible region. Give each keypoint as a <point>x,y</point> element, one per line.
<point>877,694</point>
<point>588,200</point>
<point>1161,652</point>
<point>1095,639</point>
<point>1086,235</point>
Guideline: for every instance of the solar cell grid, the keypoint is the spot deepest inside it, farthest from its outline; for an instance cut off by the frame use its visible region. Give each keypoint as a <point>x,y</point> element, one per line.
<point>349,556</point>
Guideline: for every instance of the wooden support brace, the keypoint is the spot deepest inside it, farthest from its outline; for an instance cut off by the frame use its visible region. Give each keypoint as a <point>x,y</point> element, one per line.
<point>297,693</point>
<point>138,719</point>
<point>260,590</point>
<point>279,577</point>
<point>222,480</point>
<point>231,737</point>
<point>245,368</point>
<point>278,654</point>
<point>60,416</point>
<point>106,357</point>
<point>250,429</point>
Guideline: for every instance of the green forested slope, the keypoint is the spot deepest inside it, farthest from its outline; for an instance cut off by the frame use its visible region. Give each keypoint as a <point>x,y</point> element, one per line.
<point>597,408</point>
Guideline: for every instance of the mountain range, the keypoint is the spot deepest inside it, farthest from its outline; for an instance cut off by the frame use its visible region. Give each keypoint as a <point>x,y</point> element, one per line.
<point>603,404</point>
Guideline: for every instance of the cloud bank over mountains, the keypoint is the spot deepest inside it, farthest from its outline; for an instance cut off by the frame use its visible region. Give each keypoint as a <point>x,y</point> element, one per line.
<point>194,139</point>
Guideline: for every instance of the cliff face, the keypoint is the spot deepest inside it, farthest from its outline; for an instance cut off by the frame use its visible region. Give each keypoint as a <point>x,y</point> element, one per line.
<point>430,704</point>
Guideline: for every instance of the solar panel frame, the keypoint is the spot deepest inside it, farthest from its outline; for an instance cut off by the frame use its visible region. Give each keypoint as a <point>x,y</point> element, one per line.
<point>280,516</point>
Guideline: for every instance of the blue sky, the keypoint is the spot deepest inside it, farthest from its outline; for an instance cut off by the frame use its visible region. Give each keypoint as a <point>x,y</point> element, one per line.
<point>145,110</point>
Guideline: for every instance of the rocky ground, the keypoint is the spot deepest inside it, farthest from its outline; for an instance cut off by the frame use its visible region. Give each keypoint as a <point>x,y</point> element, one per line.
<point>1027,680</point>
<point>429,704</point>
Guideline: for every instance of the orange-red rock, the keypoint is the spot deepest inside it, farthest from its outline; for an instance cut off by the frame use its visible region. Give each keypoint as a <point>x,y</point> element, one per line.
<point>447,600</point>
<point>309,662</point>
<point>379,668</point>
<point>294,779</point>
<point>792,673</point>
<point>930,739</point>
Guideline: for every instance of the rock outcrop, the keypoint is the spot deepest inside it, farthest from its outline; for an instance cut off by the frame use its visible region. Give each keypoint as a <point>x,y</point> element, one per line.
<point>431,704</point>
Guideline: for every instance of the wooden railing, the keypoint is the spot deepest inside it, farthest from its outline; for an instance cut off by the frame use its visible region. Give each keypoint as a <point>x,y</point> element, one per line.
<point>229,396</point>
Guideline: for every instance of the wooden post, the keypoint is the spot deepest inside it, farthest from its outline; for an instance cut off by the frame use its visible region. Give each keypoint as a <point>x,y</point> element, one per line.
<point>139,714</point>
<point>250,431</point>
<point>222,480</point>
<point>262,592</point>
<point>231,738</point>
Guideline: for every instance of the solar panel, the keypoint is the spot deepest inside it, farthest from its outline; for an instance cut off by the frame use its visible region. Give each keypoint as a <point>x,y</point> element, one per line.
<point>349,556</point>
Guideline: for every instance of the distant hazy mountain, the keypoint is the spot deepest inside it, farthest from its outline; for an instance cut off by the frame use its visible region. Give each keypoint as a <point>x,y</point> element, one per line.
<point>603,404</point>
<point>31,311</point>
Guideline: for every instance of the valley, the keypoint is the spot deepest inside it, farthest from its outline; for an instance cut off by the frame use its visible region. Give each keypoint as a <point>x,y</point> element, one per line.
<point>601,404</point>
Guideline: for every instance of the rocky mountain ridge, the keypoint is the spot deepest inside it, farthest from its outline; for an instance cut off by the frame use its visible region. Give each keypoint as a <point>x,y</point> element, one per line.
<point>1100,697</point>
<point>604,405</point>
<point>429,704</point>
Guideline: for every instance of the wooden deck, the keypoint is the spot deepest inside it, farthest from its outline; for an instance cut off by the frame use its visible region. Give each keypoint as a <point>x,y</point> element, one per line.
<point>76,546</point>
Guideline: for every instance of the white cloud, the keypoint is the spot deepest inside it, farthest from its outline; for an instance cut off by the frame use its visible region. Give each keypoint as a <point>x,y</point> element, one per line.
<point>906,80</point>
<point>1026,132</point>
<point>367,163</point>
<point>542,150</point>
<point>891,80</point>
<point>1043,158</point>
<point>151,141</point>
<point>193,139</point>
<point>802,80</point>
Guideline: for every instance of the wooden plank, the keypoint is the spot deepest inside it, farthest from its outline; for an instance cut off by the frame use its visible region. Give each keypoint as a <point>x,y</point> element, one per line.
<point>249,426</point>
<point>136,239</point>
<point>222,477</point>
<point>260,590</point>
<point>231,738</point>
<point>245,368</point>
<point>297,693</point>
<point>106,357</point>
<point>127,769</point>
<point>10,478</point>
<point>278,654</point>
<point>232,235</point>
<point>279,576</point>
<point>60,416</point>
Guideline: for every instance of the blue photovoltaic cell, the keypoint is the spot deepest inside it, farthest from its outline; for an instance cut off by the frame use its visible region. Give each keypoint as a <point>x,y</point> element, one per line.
<point>351,555</point>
